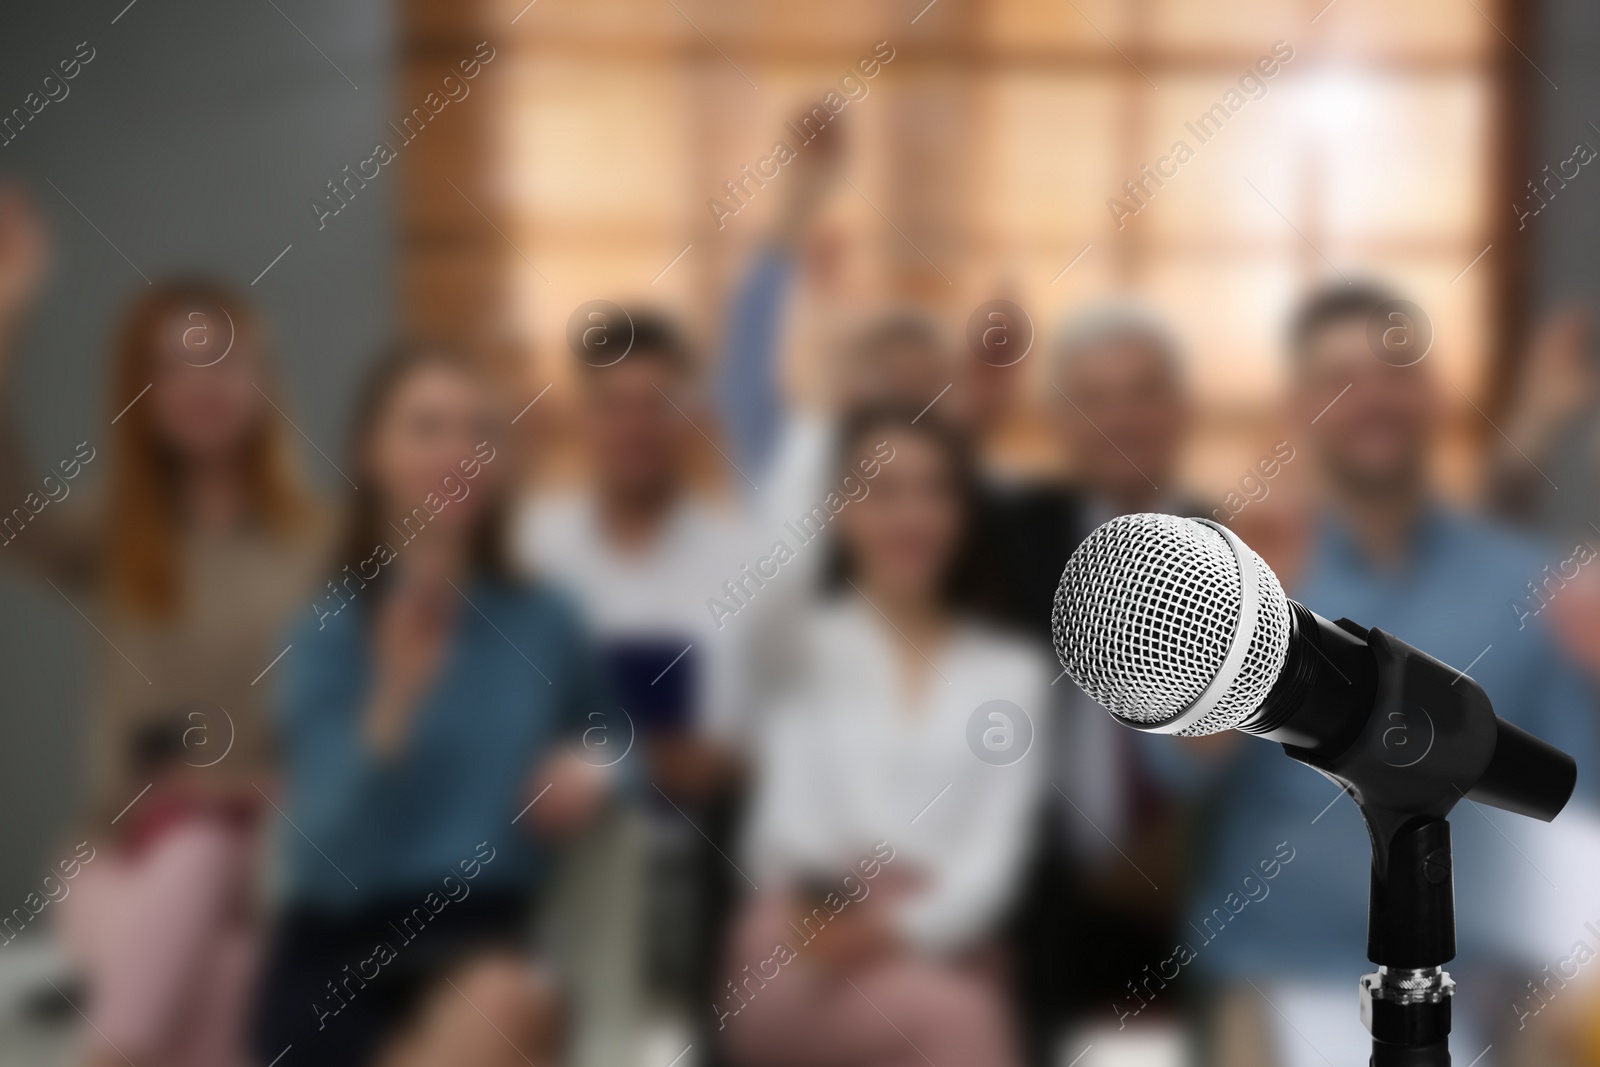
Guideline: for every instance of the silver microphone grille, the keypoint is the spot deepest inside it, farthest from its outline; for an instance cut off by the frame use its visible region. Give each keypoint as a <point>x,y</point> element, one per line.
<point>1171,624</point>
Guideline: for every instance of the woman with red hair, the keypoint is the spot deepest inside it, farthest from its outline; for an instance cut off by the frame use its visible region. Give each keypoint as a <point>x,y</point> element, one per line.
<point>188,564</point>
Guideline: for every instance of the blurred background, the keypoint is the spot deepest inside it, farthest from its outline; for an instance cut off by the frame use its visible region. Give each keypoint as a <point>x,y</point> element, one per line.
<point>581,310</point>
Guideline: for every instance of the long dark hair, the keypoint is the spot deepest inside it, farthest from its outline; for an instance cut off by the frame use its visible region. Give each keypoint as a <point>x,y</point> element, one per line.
<point>970,583</point>
<point>365,525</point>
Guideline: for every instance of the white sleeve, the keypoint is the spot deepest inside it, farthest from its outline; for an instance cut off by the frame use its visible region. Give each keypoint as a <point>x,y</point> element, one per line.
<point>526,520</point>
<point>726,715</point>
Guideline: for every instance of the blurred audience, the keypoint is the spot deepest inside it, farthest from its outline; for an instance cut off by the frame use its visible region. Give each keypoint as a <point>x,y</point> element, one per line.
<point>431,715</point>
<point>844,866</point>
<point>884,849</point>
<point>187,563</point>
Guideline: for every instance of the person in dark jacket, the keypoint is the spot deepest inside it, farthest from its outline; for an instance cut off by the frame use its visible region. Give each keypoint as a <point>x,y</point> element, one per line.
<point>1121,410</point>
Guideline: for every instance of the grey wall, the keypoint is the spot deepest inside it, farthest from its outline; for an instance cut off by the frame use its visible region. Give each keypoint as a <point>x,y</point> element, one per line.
<point>1564,238</point>
<point>1566,256</point>
<point>195,139</point>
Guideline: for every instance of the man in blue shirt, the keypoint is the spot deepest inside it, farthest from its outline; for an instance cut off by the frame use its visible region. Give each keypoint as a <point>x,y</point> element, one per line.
<point>1385,552</point>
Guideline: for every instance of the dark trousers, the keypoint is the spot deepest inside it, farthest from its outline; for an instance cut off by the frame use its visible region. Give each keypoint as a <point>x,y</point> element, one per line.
<point>339,986</point>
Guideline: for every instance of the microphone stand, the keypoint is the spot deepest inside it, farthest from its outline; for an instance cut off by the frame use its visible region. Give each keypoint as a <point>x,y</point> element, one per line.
<point>1411,934</point>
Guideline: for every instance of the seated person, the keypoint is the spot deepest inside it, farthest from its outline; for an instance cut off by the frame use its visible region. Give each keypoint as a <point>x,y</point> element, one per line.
<point>641,552</point>
<point>1384,550</point>
<point>430,714</point>
<point>884,846</point>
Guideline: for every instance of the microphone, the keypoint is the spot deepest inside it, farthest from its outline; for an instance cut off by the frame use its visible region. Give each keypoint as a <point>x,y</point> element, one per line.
<point>1176,626</point>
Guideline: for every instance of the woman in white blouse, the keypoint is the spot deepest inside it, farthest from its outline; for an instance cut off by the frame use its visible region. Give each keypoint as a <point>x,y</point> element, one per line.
<point>896,776</point>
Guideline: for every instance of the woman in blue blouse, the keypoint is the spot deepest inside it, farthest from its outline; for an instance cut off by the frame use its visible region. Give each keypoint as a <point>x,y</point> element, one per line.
<point>430,712</point>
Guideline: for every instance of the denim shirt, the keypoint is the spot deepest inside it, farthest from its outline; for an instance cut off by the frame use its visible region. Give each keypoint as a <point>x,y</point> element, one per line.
<point>517,680</point>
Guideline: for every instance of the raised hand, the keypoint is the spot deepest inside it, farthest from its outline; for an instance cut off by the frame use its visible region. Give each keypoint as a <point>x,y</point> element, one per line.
<point>24,255</point>
<point>809,179</point>
<point>570,793</point>
<point>1558,377</point>
<point>410,636</point>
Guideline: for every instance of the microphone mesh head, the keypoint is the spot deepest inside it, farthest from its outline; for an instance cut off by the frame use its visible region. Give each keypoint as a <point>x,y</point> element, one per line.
<point>1145,615</point>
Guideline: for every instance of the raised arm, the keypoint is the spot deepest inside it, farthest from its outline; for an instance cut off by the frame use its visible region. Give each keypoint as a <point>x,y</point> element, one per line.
<point>1555,389</point>
<point>749,399</point>
<point>748,387</point>
<point>32,529</point>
